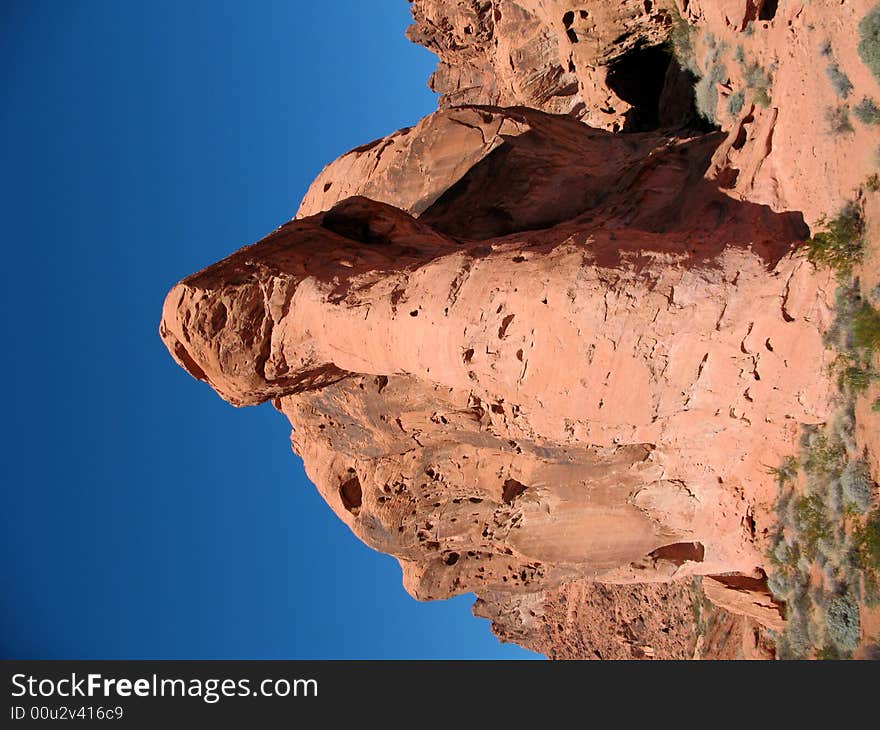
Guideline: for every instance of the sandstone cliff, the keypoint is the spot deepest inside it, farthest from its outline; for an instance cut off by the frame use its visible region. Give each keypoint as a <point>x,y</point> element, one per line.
<point>544,345</point>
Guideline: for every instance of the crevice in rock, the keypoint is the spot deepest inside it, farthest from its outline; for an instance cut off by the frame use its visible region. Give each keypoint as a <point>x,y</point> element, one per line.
<point>351,494</point>
<point>680,552</point>
<point>512,490</point>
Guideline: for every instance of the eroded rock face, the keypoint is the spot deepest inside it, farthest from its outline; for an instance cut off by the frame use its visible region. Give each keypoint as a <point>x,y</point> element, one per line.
<point>535,359</point>
<point>597,392</point>
<point>596,61</point>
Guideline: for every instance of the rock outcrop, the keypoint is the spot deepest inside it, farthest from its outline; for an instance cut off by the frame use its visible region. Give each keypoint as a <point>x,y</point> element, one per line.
<point>530,357</point>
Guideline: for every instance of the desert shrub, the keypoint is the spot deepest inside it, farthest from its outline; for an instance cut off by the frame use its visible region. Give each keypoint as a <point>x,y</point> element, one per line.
<point>866,550</point>
<point>855,484</point>
<point>796,641</point>
<point>749,30</point>
<point>735,103</point>
<point>839,80</point>
<point>867,112</point>
<point>812,524</point>
<point>739,55</point>
<point>855,332</point>
<point>825,48</point>
<point>759,82</point>
<point>875,406</point>
<point>832,494</point>
<point>829,652</point>
<point>869,41</point>
<point>855,378</point>
<point>847,299</point>
<point>845,428</point>
<point>842,622</point>
<point>681,42</point>
<point>779,584</point>
<point>706,89</point>
<point>822,456</point>
<point>838,120</point>
<point>872,183</point>
<point>867,542</point>
<point>840,246</point>
<point>866,328</point>
<point>787,470</point>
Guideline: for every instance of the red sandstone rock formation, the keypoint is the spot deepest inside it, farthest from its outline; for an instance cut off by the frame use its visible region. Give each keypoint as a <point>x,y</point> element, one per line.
<point>539,361</point>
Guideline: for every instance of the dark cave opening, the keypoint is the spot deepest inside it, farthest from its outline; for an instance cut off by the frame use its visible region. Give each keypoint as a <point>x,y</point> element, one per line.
<point>768,10</point>
<point>638,77</point>
<point>351,493</point>
<point>660,91</point>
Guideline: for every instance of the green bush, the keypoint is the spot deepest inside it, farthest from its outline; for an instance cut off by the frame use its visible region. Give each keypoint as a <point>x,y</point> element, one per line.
<point>855,378</point>
<point>866,329</point>
<point>812,524</point>
<point>867,542</point>
<point>867,112</point>
<point>840,246</point>
<point>869,41</point>
<point>839,80</point>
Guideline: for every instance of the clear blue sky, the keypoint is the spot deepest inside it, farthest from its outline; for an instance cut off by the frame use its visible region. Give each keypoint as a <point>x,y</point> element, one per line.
<point>143,517</point>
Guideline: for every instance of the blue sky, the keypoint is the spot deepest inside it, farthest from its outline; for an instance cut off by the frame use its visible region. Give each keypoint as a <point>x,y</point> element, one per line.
<point>143,517</point>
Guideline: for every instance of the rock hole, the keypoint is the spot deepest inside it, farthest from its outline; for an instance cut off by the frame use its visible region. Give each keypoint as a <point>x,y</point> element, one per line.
<point>414,313</point>
<point>451,558</point>
<point>660,92</point>
<point>572,36</point>
<point>741,137</point>
<point>327,186</point>
<point>512,490</point>
<point>584,14</point>
<point>768,10</point>
<point>638,77</point>
<point>218,317</point>
<point>505,323</point>
<point>680,552</point>
<point>351,494</point>
<point>468,355</point>
<point>568,19</point>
